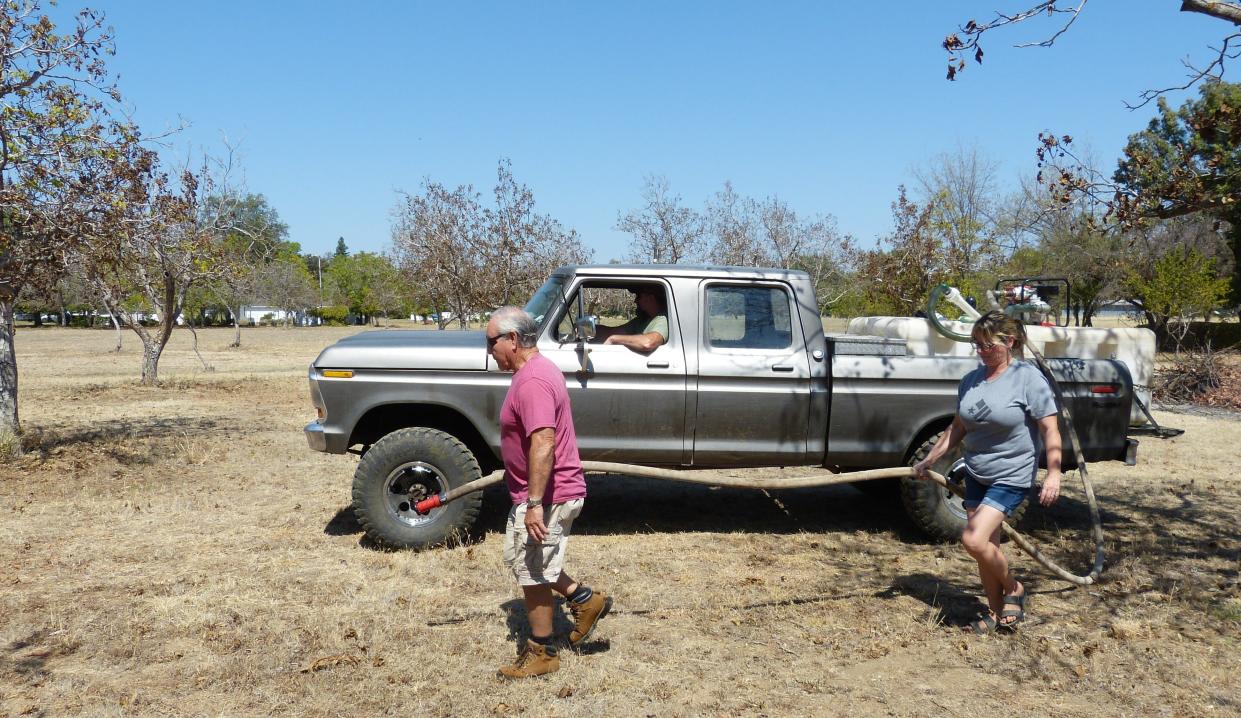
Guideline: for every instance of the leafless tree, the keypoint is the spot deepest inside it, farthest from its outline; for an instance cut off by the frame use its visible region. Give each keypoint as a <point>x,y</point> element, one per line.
<point>959,190</point>
<point>251,236</point>
<point>521,245</point>
<point>438,240</point>
<point>467,258</point>
<point>236,286</point>
<point>769,233</point>
<point>733,226</point>
<point>285,282</point>
<point>664,232</point>
<point>162,241</point>
<point>896,277</point>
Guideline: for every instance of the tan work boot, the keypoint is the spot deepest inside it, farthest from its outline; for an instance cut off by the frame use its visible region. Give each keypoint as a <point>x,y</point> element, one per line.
<point>586,615</point>
<point>534,660</point>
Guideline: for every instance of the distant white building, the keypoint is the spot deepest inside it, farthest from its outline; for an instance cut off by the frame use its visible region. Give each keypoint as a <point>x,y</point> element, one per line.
<point>255,314</point>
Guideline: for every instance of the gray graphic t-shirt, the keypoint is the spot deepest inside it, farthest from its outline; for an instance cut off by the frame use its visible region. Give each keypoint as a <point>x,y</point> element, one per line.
<point>1001,423</point>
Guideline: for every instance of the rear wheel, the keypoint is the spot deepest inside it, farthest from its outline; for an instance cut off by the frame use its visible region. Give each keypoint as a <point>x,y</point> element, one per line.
<point>405,467</point>
<point>935,510</point>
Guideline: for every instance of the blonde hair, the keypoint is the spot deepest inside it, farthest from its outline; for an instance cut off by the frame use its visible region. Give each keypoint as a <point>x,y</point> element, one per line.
<point>996,326</point>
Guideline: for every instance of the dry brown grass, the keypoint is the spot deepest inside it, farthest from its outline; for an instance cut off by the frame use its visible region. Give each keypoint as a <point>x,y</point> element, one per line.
<point>180,552</point>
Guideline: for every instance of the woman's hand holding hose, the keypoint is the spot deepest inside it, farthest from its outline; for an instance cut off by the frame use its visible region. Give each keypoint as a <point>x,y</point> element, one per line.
<point>1051,488</point>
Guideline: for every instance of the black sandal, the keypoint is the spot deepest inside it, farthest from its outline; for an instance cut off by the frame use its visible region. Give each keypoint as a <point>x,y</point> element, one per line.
<point>1017,614</point>
<point>984,624</point>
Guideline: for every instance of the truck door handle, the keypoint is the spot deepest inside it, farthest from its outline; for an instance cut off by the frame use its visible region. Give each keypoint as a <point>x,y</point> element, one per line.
<point>782,367</point>
<point>657,365</point>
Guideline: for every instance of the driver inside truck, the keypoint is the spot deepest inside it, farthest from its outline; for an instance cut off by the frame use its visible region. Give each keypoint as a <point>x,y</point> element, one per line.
<point>647,331</point>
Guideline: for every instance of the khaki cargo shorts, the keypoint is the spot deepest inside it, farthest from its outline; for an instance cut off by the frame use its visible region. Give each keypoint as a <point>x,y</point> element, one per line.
<point>536,563</point>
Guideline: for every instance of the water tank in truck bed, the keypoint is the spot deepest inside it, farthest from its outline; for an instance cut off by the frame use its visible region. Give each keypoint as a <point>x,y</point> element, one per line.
<point>1133,346</point>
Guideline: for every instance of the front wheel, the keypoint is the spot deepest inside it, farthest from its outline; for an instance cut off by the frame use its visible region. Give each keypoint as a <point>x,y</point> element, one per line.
<point>405,467</point>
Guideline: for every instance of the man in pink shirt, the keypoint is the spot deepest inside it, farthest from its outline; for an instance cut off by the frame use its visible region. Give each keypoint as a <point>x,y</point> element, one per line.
<point>545,480</point>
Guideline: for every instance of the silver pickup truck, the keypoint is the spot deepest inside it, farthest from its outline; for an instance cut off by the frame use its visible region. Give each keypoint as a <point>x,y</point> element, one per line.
<point>746,378</point>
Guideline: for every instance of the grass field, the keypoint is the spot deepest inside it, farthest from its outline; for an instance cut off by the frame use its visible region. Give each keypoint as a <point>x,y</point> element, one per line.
<point>178,551</point>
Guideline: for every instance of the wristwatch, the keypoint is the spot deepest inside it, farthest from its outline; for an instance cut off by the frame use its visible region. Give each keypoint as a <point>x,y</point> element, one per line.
<point>532,502</point>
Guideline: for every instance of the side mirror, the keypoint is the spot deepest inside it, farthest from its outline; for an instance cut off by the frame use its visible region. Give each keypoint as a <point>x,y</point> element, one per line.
<point>585,327</point>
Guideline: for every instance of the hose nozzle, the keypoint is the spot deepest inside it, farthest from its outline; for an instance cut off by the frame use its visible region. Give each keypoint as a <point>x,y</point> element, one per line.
<point>424,507</point>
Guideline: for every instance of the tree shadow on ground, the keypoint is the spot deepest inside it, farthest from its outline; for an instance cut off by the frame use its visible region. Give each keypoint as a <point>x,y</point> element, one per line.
<point>25,659</point>
<point>117,439</point>
<point>46,439</point>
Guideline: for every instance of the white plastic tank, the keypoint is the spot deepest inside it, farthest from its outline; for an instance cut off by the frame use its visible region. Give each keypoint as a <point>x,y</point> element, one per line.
<point>1134,347</point>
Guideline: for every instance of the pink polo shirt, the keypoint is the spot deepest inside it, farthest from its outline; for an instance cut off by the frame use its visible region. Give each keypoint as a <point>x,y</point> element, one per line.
<point>537,399</point>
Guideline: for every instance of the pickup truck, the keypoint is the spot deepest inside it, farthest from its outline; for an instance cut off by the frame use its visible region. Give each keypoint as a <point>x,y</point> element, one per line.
<point>746,378</point>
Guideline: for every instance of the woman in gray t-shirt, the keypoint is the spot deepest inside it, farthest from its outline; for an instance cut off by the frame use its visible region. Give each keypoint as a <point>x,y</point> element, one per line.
<point>1003,408</point>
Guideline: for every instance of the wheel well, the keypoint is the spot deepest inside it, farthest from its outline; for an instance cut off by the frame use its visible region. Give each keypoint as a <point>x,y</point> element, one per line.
<point>931,429</point>
<point>383,420</point>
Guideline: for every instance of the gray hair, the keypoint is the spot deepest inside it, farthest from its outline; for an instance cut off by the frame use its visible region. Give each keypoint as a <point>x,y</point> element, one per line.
<point>515,319</point>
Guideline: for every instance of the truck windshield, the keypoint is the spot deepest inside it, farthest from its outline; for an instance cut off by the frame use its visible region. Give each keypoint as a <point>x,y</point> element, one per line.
<point>544,299</point>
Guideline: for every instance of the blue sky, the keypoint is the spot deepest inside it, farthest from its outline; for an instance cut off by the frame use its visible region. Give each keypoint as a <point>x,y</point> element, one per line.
<point>336,107</point>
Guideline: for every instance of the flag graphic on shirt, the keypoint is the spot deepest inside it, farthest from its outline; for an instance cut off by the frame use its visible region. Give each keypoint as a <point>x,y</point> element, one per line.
<point>980,411</point>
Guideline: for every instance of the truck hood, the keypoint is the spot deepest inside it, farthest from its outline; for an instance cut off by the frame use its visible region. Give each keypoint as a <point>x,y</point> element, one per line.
<point>426,349</point>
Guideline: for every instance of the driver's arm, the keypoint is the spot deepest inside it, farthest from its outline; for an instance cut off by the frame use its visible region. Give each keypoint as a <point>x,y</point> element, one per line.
<point>604,332</point>
<point>647,342</point>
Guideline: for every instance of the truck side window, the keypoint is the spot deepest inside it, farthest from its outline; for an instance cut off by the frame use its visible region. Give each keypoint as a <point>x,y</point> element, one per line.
<point>748,317</point>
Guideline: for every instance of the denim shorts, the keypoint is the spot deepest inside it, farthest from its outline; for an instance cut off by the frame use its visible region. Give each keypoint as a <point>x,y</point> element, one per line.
<point>1005,499</point>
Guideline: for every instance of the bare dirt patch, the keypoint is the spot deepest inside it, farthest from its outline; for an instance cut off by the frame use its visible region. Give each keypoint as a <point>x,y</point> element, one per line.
<point>180,552</point>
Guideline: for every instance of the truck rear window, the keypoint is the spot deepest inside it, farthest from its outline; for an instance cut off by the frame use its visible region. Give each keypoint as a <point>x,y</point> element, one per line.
<point>748,317</point>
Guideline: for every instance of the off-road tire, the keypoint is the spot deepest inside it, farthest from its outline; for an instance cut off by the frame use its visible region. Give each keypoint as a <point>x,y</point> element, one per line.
<point>933,509</point>
<point>429,461</point>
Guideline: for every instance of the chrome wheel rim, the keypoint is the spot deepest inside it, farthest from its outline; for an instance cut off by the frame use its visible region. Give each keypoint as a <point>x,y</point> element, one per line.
<point>408,484</point>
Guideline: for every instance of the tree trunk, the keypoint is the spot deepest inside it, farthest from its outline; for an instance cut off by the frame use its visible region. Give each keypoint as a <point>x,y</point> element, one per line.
<point>236,328</point>
<point>116,325</point>
<point>190,325</point>
<point>1159,325</point>
<point>151,350</point>
<point>1234,233</point>
<point>9,426</point>
<point>153,346</point>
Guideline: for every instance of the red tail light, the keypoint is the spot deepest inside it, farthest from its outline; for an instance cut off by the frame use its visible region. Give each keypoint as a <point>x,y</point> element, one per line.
<point>1103,389</point>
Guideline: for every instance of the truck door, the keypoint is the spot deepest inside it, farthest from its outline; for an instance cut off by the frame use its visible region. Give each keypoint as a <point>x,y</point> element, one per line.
<point>753,377</point>
<point>628,406</point>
